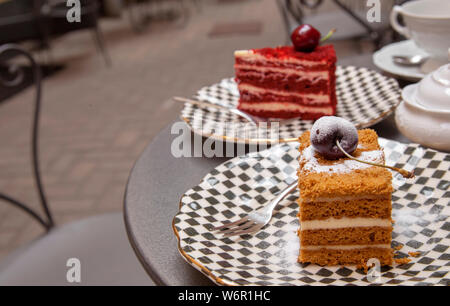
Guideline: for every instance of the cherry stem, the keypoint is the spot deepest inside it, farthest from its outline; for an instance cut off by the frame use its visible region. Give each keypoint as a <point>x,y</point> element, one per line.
<point>332,31</point>
<point>404,173</point>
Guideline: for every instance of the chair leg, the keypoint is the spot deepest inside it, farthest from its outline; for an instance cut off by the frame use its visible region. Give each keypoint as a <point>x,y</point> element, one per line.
<point>355,17</point>
<point>140,20</point>
<point>284,14</point>
<point>100,43</point>
<point>48,54</point>
<point>34,136</point>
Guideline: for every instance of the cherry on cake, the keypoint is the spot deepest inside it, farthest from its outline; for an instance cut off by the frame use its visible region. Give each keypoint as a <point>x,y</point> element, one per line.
<point>282,82</point>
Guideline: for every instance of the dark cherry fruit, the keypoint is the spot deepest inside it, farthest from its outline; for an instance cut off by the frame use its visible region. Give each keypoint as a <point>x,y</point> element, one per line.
<point>329,129</point>
<point>305,38</point>
<point>335,137</point>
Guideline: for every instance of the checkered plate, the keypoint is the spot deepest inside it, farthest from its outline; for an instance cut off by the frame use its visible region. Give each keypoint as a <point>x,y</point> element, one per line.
<point>421,210</point>
<point>365,97</point>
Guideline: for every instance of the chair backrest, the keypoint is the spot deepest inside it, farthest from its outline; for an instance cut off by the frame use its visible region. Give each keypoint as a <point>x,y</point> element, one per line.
<point>8,51</point>
<point>22,20</point>
<point>15,7</point>
<point>360,9</point>
<point>57,16</point>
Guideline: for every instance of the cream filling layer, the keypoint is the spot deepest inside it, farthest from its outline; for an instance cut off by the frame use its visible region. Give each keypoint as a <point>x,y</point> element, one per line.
<point>284,106</point>
<point>251,56</point>
<point>318,75</point>
<point>344,247</point>
<point>333,223</point>
<point>315,98</point>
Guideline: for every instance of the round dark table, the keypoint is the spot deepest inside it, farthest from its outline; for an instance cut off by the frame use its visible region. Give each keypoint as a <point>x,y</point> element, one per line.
<point>155,186</point>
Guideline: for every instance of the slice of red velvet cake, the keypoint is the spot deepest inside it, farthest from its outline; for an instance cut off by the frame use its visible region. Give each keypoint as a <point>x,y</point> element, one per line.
<point>284,83</point>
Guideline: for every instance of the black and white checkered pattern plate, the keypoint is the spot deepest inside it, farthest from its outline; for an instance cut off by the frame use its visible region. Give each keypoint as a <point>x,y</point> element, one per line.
<point>365,97</point>
<point>421,212</point>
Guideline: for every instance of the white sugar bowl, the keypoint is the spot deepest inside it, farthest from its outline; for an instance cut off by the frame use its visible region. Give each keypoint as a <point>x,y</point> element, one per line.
<point>424,114</point>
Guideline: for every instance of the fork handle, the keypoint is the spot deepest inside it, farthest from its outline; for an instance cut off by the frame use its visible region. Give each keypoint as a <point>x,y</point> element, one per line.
<point>235,111</point>
<point>281,196</point>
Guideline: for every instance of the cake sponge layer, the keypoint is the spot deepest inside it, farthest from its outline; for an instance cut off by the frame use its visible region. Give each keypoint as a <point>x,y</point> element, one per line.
<point>346,236</point>
<point>285,83</point>
<point>335,208</point>
<point>330,178</point>
<point>329,257</point>
<point>284,110</point>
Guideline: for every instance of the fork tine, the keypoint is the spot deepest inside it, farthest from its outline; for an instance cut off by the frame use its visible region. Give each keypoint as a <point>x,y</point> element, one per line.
<point>241,226</point>
<point>245,225</point>
<point>253,228</point>
<point>242,220</point>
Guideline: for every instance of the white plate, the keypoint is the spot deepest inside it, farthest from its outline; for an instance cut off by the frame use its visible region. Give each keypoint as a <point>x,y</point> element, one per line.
<point>420,208</point>
<point>365,97</point>
<point>383,60</point>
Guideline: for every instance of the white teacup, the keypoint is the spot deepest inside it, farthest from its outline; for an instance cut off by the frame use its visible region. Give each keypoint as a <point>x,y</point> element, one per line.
<point>427,24</point>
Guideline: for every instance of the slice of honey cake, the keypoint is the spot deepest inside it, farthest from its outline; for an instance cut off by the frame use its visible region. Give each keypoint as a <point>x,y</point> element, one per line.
<point>345,205</point>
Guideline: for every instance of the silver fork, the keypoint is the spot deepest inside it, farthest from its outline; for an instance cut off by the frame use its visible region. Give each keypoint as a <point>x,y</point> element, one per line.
<point>255,220</point>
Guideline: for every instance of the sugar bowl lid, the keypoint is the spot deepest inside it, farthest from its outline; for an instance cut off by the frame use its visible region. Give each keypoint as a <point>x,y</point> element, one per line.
<point>433,91</point>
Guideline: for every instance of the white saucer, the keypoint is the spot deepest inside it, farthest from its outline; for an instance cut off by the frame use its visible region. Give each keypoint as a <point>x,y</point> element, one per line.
<point>383,60</point>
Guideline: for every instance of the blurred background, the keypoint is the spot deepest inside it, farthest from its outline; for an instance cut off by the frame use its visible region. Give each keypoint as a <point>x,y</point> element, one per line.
<point>108,83</point>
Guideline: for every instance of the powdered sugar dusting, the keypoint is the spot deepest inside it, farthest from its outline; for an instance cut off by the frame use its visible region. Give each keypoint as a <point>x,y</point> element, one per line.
<point>348,165</point>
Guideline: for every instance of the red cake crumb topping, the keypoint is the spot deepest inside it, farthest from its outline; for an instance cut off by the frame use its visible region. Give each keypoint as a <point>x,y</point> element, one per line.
<point>321,53</point>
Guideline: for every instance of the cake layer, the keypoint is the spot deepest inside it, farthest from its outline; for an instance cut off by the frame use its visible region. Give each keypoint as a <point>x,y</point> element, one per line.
<point>251,93</point>
<point>341,223</point>
<point>371,181</point>
<point>346,236</point>
<point>285,83</point>
<point>372,207</point>
<point>322,178</point>
<point>285,106</point>
<point>322,55</point>
<point>345,247</point>
<point>310,162</point>
<point>249,58</point>
<point>284,110</point>
<point>330,257</point>
<point>277,72</point>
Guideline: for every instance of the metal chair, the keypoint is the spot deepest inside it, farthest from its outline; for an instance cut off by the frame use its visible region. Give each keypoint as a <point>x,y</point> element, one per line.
<point>22,20</point>
<point>55,13</point>
<point>42,20</point>
<point>47,220</point>
<point>99,242</point>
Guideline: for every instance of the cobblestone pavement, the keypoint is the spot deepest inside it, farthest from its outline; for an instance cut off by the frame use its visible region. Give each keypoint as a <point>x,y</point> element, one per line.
<point>96,120</point>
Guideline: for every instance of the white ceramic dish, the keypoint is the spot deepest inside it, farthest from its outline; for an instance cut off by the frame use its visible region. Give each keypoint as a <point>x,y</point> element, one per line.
<point>365,97</point>
<point>419,207</point>
<point>383,60</point>
<point>427,22</point>
<point>424,114</point>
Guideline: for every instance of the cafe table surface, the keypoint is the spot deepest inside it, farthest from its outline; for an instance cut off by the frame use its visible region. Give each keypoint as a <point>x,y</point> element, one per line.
<point>154,189</point>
